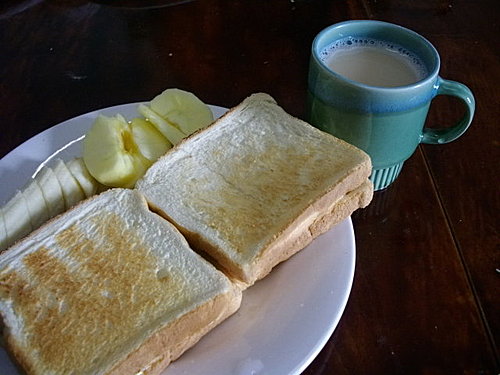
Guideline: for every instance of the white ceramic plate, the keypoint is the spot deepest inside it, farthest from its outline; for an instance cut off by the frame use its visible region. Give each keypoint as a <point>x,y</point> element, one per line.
<point>285,319</point>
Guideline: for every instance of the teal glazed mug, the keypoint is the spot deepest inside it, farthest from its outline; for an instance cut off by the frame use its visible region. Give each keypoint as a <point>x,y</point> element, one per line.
<point>372,109</point>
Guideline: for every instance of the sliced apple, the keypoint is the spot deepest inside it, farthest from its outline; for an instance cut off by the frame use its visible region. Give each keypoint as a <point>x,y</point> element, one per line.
<point>169,131</point>
<point>51,190</point>
<point>17,218</point>
<point>79,171</point>
<point>150,142</point>
<point>72,192</point>
<point>182,109</point>
<point>110,153</point>
<point>37,207</point>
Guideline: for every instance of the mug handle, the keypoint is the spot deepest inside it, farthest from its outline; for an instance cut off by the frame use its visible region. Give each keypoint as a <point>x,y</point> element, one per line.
<point>445,135</point>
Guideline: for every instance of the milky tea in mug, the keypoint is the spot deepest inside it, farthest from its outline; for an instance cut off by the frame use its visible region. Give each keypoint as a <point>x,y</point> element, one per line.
<point>373,62</point>
<point>371,83</point>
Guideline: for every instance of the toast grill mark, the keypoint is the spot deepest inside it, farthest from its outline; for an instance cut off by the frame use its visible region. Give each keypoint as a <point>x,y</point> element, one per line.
<point>100,292</point>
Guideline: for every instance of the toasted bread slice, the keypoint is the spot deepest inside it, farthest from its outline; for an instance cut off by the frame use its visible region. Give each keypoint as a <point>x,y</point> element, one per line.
<point>108,288</point>
<point>247,189</point>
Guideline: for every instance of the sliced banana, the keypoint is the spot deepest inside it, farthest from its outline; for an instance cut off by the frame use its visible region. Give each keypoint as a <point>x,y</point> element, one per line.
<point>3,233</point>
<point>17,218</point>
<point>168,130</point>
<point>111,154</point>
<point>79,171</point>
<point>72,192</point>
<point>51,190</point>
<point>182,109</point>
<point>37,207</point>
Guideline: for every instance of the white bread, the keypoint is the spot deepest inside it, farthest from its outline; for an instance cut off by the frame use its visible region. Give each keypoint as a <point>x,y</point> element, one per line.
<point>247,189</point>
<point>108,288</point>
<point>314,221</point>
<point>343,208</point>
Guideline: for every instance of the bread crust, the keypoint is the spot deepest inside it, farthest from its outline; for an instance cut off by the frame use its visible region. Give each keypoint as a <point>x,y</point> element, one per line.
<point>166,344</point>
<point>171,341</point>
<point>315,221</point>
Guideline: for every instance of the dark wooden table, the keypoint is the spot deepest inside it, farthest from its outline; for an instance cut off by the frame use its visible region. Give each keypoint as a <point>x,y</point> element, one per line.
<point>425,298</point>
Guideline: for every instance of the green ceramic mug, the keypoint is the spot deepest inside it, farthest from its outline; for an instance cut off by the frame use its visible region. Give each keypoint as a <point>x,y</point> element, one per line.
<point>384,119</point>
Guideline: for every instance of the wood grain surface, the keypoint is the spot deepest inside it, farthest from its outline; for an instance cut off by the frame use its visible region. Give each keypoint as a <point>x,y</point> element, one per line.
<point>425,298</point>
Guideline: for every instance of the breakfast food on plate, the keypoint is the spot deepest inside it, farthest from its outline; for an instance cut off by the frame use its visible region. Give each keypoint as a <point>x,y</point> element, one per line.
<point>25,211</point>
<point>169,131</point>
<point>81,174</point>
<point>176,114</point>
<point>250,189</point>
<point>150,142</point>
<point>108,288</point>
<point>71,190</point>
<point>182,109</point>
<point>38,211</point>
<point>52,191</point>
<point>111,286</point>
<point>16,219</point>
<point>117,152</point>
<point>3,232</point>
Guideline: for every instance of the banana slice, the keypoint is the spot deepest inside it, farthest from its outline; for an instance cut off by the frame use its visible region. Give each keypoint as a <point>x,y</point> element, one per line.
<point>150,142</point>
<point>72,193</point>
<point>111,154</point>
<point>17,218</point>
<point>37,207</point>
<point>79,171</point>
<point>3,232</point>
<point>168,130</point>
<point>182,109</point>
<point>51,190</point>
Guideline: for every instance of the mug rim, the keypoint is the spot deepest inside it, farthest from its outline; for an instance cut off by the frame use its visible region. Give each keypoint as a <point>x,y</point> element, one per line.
<point>431,76</point>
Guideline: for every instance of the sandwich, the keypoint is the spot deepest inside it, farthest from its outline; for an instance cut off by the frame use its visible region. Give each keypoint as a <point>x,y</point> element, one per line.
<point>108,287</point>
<point>257,186</point>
